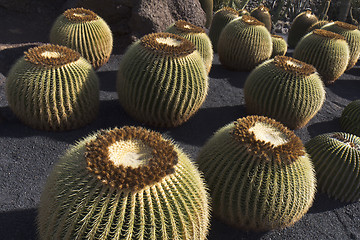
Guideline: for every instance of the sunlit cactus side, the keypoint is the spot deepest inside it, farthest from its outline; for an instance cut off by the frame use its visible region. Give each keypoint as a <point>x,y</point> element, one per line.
<point>244,43</point>
<point>53,88</point>
<point>336,157</point>
<point>162,80</point>
<point>262,14</point>
<point>350,118</point>
<point>279,46</point>
<point>328,52</point>
<point>197,36</point>
<point>207,6</point>
<point>300,26</point>
<point>84,31</point>
<point>317,25</point>
<point>352,35</point>
<point>220,19</point>
<point>285,89</point>
<point>127,183</point>
<point>259,175</point>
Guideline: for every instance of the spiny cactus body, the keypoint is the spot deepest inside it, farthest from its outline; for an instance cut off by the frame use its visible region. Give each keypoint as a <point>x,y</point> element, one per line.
<point>162,80</point>
<point>197,36</point>
<point>84,31</point>
<point>300,26</point>
<point>207,6</point>
<point>279,46</point>
<point>53,88</point>
<point>328,52</point>
<point>244,43</point>
<point>285,89</point>
<point>259,175</point>
<point>317,25</point>
<point>127,183</point>
<point>262,14</point>
<point>220,19</point>
<point>350,118</point>
<point>243,12</point>
<point>352,35</point>
<point>336,157</point>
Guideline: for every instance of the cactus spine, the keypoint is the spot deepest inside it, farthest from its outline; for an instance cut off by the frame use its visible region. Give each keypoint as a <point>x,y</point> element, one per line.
<point>299,27</point>
<point>53,88</point>
<point>350,118</point>
<point>328,52</point>
<point>259,175</point>
<point>162,80</point>
<point>351,34</point>
<point>279,46</point>
<point>127,183</point>
<point>221,18</point>
<point>197,36</point>
<point>285,89</point>
<point>262,14</point>
<point>244,43</point>
<point>84,31</point>
<point>336,158</point>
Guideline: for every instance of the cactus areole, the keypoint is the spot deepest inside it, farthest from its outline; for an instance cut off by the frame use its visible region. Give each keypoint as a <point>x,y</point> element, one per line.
<point>130,158</point>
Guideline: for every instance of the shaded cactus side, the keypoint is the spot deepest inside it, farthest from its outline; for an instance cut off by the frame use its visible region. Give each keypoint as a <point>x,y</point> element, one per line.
<point>207,6</point>
<point>299,27</point>
<point>262,14</point>
<point>336,158</point>
<point>350,118</point>
<point>220,19</point>
<point>279,46</point>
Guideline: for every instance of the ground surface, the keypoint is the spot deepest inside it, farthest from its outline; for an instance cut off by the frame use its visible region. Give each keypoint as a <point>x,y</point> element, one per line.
<point>27,156</point>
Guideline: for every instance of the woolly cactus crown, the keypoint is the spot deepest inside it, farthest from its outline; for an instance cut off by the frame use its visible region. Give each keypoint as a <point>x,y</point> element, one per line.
<point>328,34</point>
<point>187,27</point>
<point>291,65</point>
<point>345,25</point>
<point>249,20</point>
<point>80,15</point>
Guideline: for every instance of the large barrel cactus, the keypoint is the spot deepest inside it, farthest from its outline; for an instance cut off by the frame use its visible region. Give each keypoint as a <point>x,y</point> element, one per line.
<point>262,14</point>
<point>220,19</point>
<point>259,175</point>
<point>350,118</point>
<point>285,89</point>
<point>328,52</point>
<point>336,157</point>
<point>162,80</point>
<point>197,36</point>
<point>244,43</point>
<point>352,35</point>
<point>300,26</point>
<point>279,46</point>
<point>127,183</point>
<point>53,88</point>
<point>84,31</point>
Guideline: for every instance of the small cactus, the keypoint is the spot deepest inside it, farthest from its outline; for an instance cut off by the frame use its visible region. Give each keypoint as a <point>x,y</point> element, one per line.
<point>279,46</point>
<point>350,118</point>
<point>127,183</point>
<point>285,89</point>
<point>299,27</point>
<point>84,31</point>
<point>328,52</point>
<point>259,175</point>
<point>220,19</point>
<point>53,88</point>
<point>162,80</point>
<point>262,14</point>
<point>244,43</point>
<point>352,35</point>
<point>336,157</point>
<point>197,36</point>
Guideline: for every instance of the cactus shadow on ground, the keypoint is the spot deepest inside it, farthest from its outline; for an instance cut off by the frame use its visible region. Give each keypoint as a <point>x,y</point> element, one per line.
<point>324,127</point>
<point>323,203</point>
<point>18,224</point>
<point>347,87</point>
<point>107,81</point>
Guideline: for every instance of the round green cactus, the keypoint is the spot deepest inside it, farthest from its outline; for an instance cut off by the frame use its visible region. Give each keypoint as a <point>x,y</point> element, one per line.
<point>127,183</point>
<point>336,157</point>
<point>244,43</point>
<point>53,88</point>
<point>328,52</point>
<point>350,118</point>
<point>162,80</point>
<point>84,31</point>
<point>197,36</point>
<point>300,26</point>
<point>285,89</point>
<point>279,46</point>
<point>207,6</point>
<point>262,14</point>
<point>220,19</point>
<point>317,25</point>
<point>259,175</point>
<point>352,35</point>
